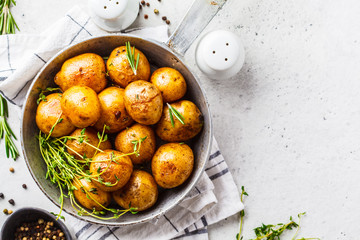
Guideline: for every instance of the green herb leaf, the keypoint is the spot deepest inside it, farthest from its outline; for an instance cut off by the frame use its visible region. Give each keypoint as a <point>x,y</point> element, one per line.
<point>130,56</point>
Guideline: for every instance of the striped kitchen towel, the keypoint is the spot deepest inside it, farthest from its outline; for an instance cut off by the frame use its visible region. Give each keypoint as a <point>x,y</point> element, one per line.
<point>215,196</point>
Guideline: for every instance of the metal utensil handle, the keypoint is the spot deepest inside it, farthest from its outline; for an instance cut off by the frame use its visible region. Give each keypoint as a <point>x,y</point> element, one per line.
<point>196,19</point>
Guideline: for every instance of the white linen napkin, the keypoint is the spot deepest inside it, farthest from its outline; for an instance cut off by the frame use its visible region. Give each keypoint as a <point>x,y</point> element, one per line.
<point>215,196</point>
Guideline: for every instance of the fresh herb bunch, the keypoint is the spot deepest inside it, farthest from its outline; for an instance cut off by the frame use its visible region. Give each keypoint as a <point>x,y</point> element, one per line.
<point>173,111</point>
<point>7,21</point>
<point>130,55</point>
<point>6,132</point>
<point>63,169</point>
<point>271,232</point>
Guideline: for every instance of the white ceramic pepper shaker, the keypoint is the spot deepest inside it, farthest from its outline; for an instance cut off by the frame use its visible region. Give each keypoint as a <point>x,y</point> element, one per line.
<point>113,15</point>
<point>220,54</point>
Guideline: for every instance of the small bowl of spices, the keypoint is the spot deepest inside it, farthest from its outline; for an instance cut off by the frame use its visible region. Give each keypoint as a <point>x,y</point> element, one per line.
<point>34,223</point>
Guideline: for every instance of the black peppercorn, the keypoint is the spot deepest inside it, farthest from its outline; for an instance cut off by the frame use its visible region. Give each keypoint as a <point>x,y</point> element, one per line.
<point>164,18</point>
<point>142,2</point>
<point>146,16</point>
<point>2,195</point>
<point>167,21</point>
<point>24,186</point>
<point>12,202</point>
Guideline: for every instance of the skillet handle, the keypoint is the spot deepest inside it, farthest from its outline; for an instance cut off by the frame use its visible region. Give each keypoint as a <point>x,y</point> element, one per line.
<point>196,19</point>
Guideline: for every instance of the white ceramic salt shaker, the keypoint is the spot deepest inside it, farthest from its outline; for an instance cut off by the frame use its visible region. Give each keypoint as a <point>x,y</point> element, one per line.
<point>113,15</point>
<point>220,54</point>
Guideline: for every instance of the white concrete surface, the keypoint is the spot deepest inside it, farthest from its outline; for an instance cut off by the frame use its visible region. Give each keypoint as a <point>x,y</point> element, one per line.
<point>288,123</point>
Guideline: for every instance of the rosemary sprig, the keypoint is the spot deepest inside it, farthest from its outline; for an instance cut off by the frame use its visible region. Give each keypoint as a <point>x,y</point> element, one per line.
<point>242,214</point>
<point>130,55</point>
<point>6,132</point>
<point>7,21</point>
<point>173,111</point>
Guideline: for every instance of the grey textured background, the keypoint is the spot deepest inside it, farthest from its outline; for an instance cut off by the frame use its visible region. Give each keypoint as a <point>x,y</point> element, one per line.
<point>287,124</point>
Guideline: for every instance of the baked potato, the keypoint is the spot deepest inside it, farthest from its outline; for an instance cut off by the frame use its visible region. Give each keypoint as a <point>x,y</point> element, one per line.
<point>124,142</point>
<point>172,164</point>
<point>49,112</point>
<point>87,69</point>
<point>89,195</point>
<point>192,118</point>
<point>170,82</point>
<point>143,102</point>
<point>113,112</point>
<point>82,147</point>
<point>140,192</point>
<point>81,105</point>
<point>111,169</point>
<point>119,68</point>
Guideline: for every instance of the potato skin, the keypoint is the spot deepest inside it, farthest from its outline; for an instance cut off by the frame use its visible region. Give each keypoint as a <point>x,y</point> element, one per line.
<point>48,113</point>
<point>123,142</point>
<point>193,120</point>
<point>119,68</point>
<point>81,105</point>
<point>140,192</point>
<point>102,197</point>
<point>122,168</point>
<point>170,82</point>
<point>172,164</point>
<point>113,112</point>
<point>82,148</point>
<point>143,102</point>
<point>87,69</point>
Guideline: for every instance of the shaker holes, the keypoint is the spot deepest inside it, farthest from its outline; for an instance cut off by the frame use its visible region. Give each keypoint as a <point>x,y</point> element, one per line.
<point>104,7</point>
<point>226,59</point>
<point>213,52</point>
<point>227,44</point>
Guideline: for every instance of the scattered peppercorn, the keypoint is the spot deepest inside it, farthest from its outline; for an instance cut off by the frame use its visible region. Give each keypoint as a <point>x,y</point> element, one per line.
<point>12,169</point>
<point>156,11</point>
<point>39,229</point>
<point>2,195</point>
<point>24,186</point>
<point>12,202</point>
<point>142,2</point>
<point>10,211</point>
<point>146,16</point>
<point>164,18</point>
<point>167,21</point>
<point>148,4</point>
<point>5,211</point>
<point>140,6</point>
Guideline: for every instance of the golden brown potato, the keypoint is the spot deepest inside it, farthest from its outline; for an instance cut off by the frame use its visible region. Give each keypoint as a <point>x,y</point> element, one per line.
<point>143,102</point>
<point>95,194</point>
<point>140,192</point>
<point>113,112</point>
<point>172,164</point>
<point>87,69</point>
<point>84,148</point>
<point>124,139</point>
<point>111,169</point>
<point>49,112</point>
<point>193,120</point>
<point>119,68</point>
<point>81,105</point>
<point>170,82</point>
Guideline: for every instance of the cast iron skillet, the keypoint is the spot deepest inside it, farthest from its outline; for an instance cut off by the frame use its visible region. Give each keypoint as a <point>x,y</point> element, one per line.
<point>159,55</point>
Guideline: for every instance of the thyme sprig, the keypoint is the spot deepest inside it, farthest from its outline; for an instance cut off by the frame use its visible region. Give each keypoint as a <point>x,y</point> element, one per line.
<point>7,21</point>
<point>6,132</point>
<point>130,55</point>
<point>270,231</point>
<point>173,111</point>
<point>63,170</point>
<point>242,213</point>
<point>42,96</point>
